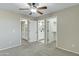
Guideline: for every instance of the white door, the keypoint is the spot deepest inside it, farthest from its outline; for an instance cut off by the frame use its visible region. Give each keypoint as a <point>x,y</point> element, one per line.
<point>41,31</point>
<point>32,30</point>
<point>51,29</point>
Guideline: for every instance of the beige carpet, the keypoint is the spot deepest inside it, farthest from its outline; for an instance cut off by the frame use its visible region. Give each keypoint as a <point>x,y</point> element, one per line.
<point>35,49</point>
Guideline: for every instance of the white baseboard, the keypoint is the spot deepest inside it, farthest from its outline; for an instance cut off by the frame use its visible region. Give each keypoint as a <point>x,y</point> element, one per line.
<point>11,47</point>
<point>67,50</point>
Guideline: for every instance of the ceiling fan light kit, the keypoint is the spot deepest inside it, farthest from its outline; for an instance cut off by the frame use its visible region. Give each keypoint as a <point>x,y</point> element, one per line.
<point>34,8</point>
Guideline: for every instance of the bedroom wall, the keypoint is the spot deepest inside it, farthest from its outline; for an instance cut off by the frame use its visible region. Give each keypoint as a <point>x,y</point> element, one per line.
<point>68,29</point>
<point>10,30</point>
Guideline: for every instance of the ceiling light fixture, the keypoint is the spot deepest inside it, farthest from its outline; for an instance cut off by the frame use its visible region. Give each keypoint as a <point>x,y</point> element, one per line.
<point>33,10</point>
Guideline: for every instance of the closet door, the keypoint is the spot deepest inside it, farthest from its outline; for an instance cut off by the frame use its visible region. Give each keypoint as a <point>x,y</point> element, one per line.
<point>32,30</point>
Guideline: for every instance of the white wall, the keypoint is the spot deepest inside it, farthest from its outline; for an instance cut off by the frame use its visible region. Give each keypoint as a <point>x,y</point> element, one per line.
<point>68,29</point>
<point>10,30</point>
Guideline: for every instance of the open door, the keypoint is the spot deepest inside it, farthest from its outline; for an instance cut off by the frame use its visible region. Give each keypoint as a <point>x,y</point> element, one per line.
<point>51,29</point>
<point>32,30</point>
<point>24,29</point>
<point>41,31</point>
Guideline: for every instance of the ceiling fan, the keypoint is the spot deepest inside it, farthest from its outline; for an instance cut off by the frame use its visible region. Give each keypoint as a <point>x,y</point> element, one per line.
<point>34,7</point>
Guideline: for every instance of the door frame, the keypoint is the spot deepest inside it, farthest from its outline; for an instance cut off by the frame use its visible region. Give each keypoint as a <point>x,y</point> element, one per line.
<point>44,30</point>
<point>46,40</point>
<point>27,28</point>
<point>36,29</point>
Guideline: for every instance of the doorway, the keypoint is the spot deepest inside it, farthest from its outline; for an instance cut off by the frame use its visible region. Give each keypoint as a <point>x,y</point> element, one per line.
<point>51,29</point>
<point>41,31</point>
<point>24,31</point>
<point>44,31</point>
<point>32,31</point>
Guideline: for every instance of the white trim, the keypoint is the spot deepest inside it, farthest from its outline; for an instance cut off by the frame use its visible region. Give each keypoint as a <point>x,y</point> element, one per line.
<point>11,47</point>
<point>57,31</point>
<point>28,30</point>
<point>67,50</point>
<point>20,33</point>
<point>46,30</point>
<point>37,30</point>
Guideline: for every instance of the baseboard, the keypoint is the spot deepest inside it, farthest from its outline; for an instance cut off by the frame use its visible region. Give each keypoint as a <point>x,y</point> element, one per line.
<point>10,47</point>
<point>67,50</point>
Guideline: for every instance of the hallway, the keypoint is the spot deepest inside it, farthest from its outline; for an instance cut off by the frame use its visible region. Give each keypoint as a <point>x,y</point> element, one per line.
<point>35,49</point>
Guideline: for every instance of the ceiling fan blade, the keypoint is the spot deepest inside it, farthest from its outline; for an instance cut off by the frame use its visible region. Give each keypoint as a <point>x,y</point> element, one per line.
<point>44,7</point>
<point>23,9</point>
<point>39,12</point>
<point>30,4</point>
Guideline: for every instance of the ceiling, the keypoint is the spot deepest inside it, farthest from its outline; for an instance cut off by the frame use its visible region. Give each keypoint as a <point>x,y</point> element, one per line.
<point>51,7</point>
